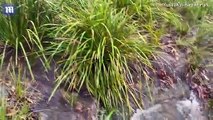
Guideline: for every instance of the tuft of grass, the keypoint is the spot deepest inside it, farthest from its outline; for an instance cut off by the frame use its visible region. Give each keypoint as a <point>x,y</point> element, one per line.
<point>152,17</point>
<point>197,16</point>
<point>17,103</point>
<point>23,113</point>
<point>16,77</point>
<point>104,116</point>
<point>192,11</point>
<point>21,35</point>
<point>2,109</point>
<point>200,43</point>
<point>93,45</point>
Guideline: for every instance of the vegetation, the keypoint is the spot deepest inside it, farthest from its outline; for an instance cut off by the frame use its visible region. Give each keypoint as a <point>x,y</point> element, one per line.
<point>20,33</point>
<point>93,42</point>
<point>97,46</point>
<point>16,96</point>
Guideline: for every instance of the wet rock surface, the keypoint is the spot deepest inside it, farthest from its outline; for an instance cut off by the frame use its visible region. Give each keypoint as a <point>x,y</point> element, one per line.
<point>177,103</point>
<point>174,96</point>
<point>173,109</point>
<point>58,108</point>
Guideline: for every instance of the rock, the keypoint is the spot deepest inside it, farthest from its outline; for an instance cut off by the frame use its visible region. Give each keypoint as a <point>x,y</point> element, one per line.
<point>188,109</point>
<point>164,111</point>
<point>59,108</point>
<point>175,102</point>
<point>191,108</point>
<point>3,91</point>
<point>56,115</point>
<point>149,114</point>
<point>88,111</point>
<point>157,94</point>
<point>178,91</point>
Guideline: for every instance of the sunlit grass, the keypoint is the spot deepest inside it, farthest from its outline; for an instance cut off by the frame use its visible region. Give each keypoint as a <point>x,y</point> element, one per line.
<point>95,48</point>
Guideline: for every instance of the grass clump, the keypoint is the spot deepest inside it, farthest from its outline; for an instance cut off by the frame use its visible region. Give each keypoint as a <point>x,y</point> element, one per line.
<point>192,11</point>
<point>94,48</point>
<point>151,17</point>
<point>2,109</point>
<point>20,33</point>
<point>199,38</point>
<point>16,95</point>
